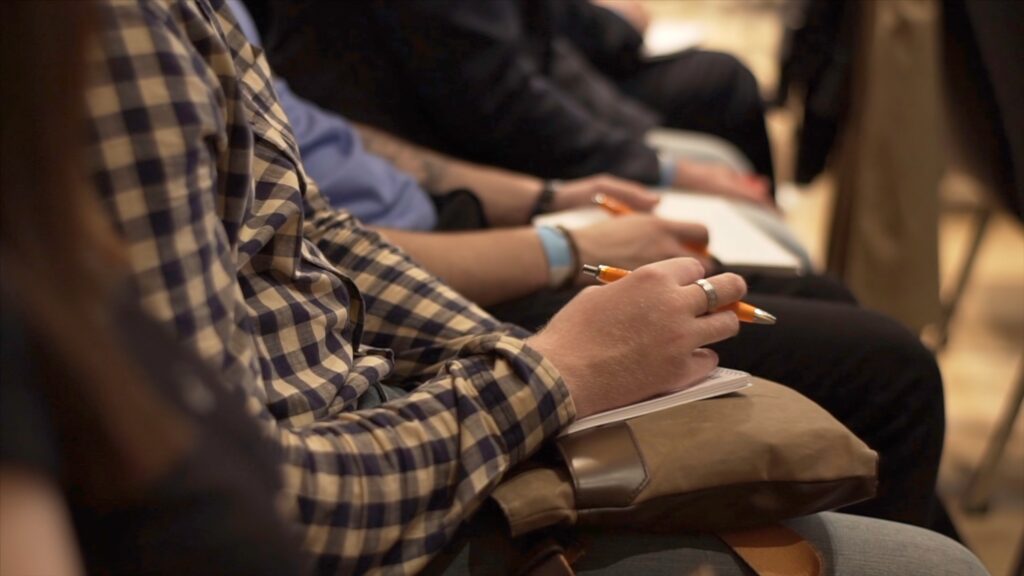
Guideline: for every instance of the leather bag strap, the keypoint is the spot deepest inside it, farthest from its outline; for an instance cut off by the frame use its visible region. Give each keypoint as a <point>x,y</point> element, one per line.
<point>551,557</point>
<point>774,550</point>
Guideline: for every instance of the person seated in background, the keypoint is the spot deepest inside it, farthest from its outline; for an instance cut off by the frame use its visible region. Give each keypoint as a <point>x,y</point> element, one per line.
<point>503,83</point>
<point>308,315</point>
<point>120,453</point>
<point>494,259</point>
<point>839,369</point>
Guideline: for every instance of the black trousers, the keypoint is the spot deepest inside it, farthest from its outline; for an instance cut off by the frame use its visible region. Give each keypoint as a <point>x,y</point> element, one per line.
<point>864,368</point>
<point>706,92</point>
<point>868,371</point>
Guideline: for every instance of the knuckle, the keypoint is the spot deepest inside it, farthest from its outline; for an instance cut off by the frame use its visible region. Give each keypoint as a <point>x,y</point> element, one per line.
<point>722,325</point>
<point>693,232</point>
<point>669,248</point>
<point>639,220</point>
<point>706,357</point>
<point>648,274</point>
<point>588,293</point>
<point>689,341</point>
<point>736,282</point>
<point>732,324</point>
<point>683,361</point>
<point>693,266</point>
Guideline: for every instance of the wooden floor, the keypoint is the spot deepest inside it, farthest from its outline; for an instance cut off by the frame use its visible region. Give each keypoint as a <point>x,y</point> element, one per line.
<point>985,353</point>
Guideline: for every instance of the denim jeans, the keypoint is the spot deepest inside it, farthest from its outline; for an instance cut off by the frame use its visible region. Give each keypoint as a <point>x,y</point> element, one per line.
<point>849,546</point>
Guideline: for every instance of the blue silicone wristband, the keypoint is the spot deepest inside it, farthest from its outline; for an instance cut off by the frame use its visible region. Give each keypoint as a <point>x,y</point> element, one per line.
<point>558,250</point>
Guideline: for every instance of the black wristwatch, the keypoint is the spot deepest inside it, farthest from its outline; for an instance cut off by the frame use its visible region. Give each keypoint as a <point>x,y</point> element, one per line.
<point>546,198</point>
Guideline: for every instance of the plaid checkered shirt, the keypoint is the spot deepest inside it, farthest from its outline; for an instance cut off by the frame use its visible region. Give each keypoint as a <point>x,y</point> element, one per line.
<point>298,306</point>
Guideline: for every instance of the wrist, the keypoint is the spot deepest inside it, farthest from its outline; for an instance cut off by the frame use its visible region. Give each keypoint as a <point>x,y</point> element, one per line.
<point>561,254</point>
<point>668,168</point>
<point>546,198</point>
<point>567,366</point>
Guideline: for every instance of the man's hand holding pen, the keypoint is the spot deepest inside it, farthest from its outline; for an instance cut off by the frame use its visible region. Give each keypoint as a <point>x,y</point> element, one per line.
<point>641,336</point>
<point>636,239</point>
<point>745,312</point>
<point>578,193</point>
<point>695,246</point>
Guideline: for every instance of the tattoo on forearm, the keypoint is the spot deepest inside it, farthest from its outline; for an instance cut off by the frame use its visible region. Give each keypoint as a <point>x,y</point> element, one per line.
<point>428,168</point>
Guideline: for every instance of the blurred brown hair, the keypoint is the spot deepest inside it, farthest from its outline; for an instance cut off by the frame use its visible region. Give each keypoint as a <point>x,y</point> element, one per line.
<point>61,258</point>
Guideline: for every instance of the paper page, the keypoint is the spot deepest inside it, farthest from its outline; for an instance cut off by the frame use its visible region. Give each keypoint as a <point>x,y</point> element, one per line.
<point>734,239</point>
<point>720,381</point>
<point>572,219</point>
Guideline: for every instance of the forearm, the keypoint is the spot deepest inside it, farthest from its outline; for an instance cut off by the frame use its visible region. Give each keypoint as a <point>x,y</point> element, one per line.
<point>418,467</point>
<point>406,308</point>
<point>508,197</point>
<point>466,261</point>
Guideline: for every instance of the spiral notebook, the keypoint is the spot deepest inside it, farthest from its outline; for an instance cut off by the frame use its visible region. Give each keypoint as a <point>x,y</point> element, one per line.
<point>720,381</point>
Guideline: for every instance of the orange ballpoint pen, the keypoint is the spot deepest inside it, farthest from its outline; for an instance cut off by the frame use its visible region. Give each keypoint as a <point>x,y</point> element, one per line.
<point>745,312</point>
<point>619,208</point>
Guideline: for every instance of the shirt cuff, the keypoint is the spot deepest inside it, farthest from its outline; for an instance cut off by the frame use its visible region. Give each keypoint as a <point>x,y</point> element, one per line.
<point>525,394</point>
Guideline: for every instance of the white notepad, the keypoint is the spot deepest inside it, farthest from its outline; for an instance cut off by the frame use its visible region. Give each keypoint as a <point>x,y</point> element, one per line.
<point>720,381</point>
<point>735,240</point>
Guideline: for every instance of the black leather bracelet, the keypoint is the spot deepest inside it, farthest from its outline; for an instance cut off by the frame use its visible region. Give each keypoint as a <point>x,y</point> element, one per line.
<point>546,198</point>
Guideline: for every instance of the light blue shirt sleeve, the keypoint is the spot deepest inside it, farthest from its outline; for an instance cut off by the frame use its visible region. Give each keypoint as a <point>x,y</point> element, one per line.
<point>348,176</point>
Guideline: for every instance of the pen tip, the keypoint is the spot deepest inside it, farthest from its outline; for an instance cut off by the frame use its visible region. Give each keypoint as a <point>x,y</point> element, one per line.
<point>598,198</point>
<point>762,317</point>
<point>591,270</point>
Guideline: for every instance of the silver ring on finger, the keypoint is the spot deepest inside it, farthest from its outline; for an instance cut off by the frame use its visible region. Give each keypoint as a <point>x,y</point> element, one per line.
<point>710,292</point>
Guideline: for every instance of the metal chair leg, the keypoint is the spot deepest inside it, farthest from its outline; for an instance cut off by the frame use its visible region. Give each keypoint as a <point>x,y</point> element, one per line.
<point>982,216</point>
<point>979,488</point>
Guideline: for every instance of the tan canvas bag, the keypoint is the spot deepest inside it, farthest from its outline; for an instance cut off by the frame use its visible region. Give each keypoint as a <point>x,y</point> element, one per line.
<point>727,463</point>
